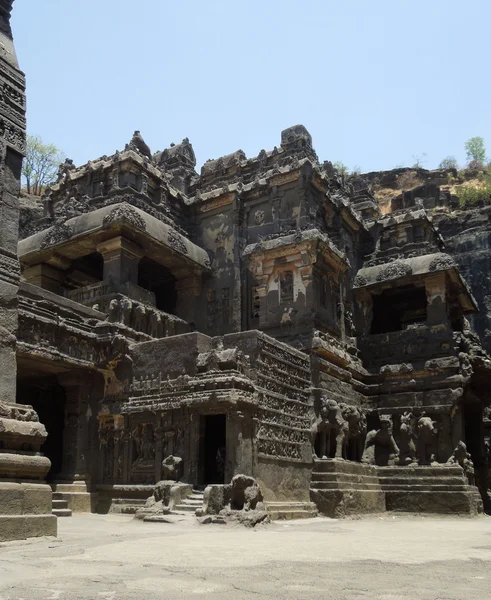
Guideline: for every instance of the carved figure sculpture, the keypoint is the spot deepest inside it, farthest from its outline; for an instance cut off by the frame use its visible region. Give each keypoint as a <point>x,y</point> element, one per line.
<point>461,457</point>
<point>114,312</point>
<point>357,430</point>
<point>330,423</point>
<point>147,443</point>
<point>64,170</point>
<point>408,439</point>
<point>126,308</point>
<point>172,468</point>
<point>155,324</point>
<point>139,318</point>
<point>380,447</point>
<point>427,438</point>
<point>245,493</point>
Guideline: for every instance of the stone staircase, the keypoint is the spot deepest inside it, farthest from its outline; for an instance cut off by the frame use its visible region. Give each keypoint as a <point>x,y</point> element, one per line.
<point>60,506</point>
<point>191,503</point>
<point>434,489</point>
<point>341,488</point>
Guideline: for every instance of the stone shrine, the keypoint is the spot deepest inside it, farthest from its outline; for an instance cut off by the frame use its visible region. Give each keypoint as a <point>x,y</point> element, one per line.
<point>262,318</point>
<point>263,336</point>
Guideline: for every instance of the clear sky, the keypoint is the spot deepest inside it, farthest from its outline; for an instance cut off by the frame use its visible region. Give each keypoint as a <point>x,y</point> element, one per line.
<point>376,82</point>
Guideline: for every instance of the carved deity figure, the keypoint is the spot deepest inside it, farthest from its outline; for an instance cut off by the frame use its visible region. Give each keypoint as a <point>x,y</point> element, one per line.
<point>408,439</point>
<point>126,309</point>
<point>380,447</point>
<point>329,425</point>
<point>64,170</point>
<point>357,430</point>
<point>461,457</point>
<point>147,443</point>
<point>139,318</point>
<point>155,327</point>
<point>427,440</point>
<point>114,311</point>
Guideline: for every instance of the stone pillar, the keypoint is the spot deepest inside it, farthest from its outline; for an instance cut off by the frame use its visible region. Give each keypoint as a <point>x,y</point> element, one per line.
<point>239,445</point>
<point>121,259</point>
<point>436,294</point>
<point>25,499</point>
<point>188,287</point>
<point>75,433</point>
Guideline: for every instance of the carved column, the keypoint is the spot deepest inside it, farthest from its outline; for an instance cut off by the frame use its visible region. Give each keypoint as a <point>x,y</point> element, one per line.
<point>239,445</point>
<point>436,294</point>
<point>188,287</point>
<point>121,259</point>
<point>75,433</point>
<point>25,499</point>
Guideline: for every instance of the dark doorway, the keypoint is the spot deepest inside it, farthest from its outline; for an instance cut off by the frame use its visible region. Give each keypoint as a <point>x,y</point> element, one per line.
<point>156,278</point>
<point>47,398</point>
<point>396,309</point>
<point>212,455</point>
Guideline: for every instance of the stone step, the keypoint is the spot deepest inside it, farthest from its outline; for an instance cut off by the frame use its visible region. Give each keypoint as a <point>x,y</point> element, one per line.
<point>61,512</point>
<point>387,487</point>
<point>342,477</point>
<point>345,485</point>
<point>186,507</point>
<point>408,483</point>
<point>291,510</point>
<point>423,471</point>
<point>192,501</point>
<point>76,486</point>
<point>129,501</point>
<point>59,503</point>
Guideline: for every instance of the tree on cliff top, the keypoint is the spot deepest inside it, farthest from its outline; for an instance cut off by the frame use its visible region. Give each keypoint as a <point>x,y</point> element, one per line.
<point>476,152</point>
<point>40,166</point>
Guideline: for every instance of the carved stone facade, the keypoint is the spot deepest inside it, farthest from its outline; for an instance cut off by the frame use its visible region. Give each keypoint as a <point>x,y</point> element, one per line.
<point>261,318</point>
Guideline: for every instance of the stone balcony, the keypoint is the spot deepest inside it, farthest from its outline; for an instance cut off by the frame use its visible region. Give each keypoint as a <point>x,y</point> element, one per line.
<point>102,292</point>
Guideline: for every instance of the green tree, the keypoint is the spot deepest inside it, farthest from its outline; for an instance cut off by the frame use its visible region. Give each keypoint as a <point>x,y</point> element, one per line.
<point>40,166</point>
<point>476,152</point>
<point>341,167</point>
<point>450,162</point>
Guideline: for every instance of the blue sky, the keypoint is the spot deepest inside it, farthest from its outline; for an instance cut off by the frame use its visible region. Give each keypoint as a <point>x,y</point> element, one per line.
<point>375,82</point>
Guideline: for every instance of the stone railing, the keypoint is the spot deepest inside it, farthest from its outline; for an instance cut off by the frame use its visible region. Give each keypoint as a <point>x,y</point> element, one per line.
<point>104,290</point>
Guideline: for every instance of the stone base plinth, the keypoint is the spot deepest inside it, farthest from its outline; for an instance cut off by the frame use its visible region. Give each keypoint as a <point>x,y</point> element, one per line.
<point>441,489</point>
<point>75,494</point>
<point>342,488</point>
<point>25,511</point>
<point>125,499</point>
<point>291,510</point>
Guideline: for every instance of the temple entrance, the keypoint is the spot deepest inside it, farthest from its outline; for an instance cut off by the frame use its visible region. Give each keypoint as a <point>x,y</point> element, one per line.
<point>47,397</point>
<point>212,449</point>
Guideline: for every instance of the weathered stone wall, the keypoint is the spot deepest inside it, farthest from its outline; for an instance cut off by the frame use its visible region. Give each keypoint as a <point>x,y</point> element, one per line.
<point>467,235</point>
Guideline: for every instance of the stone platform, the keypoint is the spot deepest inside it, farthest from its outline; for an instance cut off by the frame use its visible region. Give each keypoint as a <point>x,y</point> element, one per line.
<point>25,510</point>
<point>291,510</point>
<point>124,499</point>
<point>341,488</point>
<point>75,494</point>
<point>440,489</point>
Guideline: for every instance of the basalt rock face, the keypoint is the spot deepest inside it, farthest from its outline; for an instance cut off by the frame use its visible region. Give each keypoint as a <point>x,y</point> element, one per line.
<point>467,235</point>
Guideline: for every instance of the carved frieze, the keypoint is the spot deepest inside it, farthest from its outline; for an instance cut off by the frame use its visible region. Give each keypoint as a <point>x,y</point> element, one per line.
<point>126,214</point>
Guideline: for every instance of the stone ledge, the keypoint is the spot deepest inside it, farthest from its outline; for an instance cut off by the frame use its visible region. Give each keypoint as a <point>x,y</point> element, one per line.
<point>19,527</point>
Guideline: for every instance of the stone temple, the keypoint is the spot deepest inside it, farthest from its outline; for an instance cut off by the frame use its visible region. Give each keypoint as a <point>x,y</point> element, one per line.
<point>262,318</point>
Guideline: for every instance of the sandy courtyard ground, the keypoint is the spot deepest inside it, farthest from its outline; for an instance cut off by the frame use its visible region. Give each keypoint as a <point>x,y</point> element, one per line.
<point>114,557</point>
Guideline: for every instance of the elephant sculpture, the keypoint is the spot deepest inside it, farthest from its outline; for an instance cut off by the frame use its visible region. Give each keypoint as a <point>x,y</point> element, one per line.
<point>357,430</point>
<point>427,440</point>
<point>380,447</point>
<point>330,425</point>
